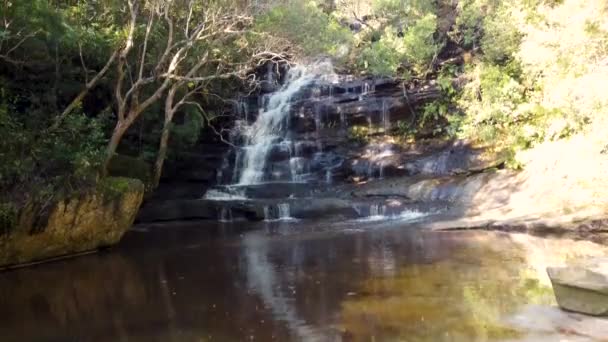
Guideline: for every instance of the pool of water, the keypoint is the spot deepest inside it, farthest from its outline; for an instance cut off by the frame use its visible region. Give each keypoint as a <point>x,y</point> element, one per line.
<point>300,281</point>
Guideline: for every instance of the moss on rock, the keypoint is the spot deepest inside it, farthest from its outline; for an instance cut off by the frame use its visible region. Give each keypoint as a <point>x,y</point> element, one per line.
<point>129,167</point>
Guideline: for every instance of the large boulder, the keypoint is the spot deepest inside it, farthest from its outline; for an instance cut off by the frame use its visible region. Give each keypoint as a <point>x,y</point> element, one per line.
<point>581,288</point>
<point>78,223</point>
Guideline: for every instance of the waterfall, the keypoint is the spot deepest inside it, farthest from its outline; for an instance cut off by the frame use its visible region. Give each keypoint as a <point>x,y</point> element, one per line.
<point>328,176</point>
<point>284,211</point>
<point>280,212</point>
<point>386,116</point>
<point>225,215</point>
<point>241,108</point>
<point>267,215</point>
<point>297,168</point>
<point>269,127</point>
<point>365,88</point>
<point>342,118</point>
<point>377,210</point>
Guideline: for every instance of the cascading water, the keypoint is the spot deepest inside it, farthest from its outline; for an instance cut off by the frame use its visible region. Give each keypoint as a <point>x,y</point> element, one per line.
<point>284,211</point>
<point>386,118</point>
<point>298,145</point>
<point>279,212</point>
<point>270,125</point>
<point>225,215</point>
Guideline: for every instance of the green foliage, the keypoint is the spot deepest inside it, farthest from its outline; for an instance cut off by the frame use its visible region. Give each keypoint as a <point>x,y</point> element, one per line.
<point>306,26</point>
<point>403,9</point>
<point>8,217</point>
<point>382,58</point>
<point>469,22</point>
<point>358,134</point>
<point>416,49</point>
<point>437,117</point>
<point>406,129</point>
<point>419,45</point>
<point>187,133</point>
<point>130,167</point>
<point>114,187</point>
<point>32,160</point>
<point>501,39</point>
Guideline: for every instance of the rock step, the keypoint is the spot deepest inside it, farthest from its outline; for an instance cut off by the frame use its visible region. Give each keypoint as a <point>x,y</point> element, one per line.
<point>298,208</point>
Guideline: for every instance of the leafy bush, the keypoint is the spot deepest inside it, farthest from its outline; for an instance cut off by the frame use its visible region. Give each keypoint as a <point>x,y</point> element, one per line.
<point>384,57</point>
<point>391,54</point>
<point>33,162</point>
<point>406,10</point>
<point>501,38</point>
<point>307,28</point>
<point>419,45</point>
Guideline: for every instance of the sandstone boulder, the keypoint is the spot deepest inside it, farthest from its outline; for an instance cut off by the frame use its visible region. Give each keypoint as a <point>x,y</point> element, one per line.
<point>581,288</point>
<point>78,223</point>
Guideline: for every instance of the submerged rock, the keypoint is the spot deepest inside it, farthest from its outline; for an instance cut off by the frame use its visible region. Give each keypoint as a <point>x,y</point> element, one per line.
<point>582,288</point>
<point>79,223</point>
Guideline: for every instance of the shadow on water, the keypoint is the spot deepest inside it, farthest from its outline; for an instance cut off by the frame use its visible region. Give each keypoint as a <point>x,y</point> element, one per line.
<point>296,281</point>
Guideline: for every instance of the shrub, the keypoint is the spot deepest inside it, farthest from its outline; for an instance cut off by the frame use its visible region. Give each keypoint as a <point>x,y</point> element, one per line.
<point>391,54</point>
<point>419,45</point>
<point>307,28</point>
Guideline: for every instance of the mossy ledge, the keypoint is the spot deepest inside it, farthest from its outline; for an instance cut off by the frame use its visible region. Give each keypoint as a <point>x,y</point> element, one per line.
<point>80,222</point>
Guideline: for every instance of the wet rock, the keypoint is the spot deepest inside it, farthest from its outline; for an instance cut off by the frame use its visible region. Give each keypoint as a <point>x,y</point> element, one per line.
<point>323,207</point>
<point>456,159</point>
<point>79,223</point>
<point>198,209</point>
<point>274,190</point>
<point>581,288</point>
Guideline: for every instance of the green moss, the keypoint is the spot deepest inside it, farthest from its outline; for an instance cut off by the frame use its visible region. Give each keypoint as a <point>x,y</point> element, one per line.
<point>359,134</point>
<point>130,167</point>
<point>8,217</point>
<point>113,187</point>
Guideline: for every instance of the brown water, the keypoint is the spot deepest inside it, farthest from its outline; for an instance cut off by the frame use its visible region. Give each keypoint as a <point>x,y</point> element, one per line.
<point>299,282</point>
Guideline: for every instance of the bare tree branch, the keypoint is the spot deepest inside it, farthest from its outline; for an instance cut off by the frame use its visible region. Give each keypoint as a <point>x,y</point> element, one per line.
<point>78,99</point>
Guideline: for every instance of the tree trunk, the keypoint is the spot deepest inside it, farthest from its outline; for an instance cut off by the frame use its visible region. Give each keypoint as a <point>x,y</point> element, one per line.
<point>162,152</point>
<point>119,131</point>
<point>164,139</point>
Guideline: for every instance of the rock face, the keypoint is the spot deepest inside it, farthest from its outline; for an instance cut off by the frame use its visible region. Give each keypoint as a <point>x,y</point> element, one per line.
<point>316,131</point>
<point>80,223</point>
<point>581,289</point>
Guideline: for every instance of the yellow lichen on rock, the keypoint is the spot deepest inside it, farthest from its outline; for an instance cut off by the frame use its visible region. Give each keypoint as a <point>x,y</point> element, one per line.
<point>82,222</point>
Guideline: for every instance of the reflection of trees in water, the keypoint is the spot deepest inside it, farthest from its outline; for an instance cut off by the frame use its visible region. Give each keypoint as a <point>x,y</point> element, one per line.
<point>304,278</point>
<point>45,300</point>
<point>291,286</point>
<point>461,298</point>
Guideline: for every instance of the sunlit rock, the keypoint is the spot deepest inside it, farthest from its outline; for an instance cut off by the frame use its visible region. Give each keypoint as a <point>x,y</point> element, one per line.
<point>582,288</point>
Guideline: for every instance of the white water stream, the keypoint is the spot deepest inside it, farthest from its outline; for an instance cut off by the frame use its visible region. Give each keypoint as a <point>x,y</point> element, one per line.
<point>270,125</point>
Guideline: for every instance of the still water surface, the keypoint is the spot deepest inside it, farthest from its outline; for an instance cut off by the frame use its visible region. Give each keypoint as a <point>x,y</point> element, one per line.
<point>296,281</point>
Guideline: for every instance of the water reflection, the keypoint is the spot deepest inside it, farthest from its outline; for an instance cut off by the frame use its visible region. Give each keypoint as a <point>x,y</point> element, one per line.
<point>298,282</point>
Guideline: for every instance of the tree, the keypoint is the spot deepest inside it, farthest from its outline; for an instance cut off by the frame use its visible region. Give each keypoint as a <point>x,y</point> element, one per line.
<point>210,47</point>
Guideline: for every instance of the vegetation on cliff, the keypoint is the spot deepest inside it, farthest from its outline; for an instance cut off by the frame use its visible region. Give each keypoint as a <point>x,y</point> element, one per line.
<point>513,74</point>
<point>82,80</point>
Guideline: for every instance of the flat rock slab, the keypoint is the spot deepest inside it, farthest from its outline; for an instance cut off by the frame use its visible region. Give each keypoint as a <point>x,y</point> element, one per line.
<point>582,288</point>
